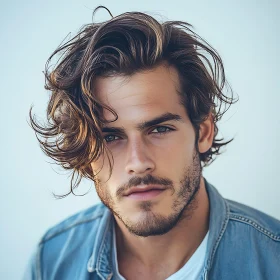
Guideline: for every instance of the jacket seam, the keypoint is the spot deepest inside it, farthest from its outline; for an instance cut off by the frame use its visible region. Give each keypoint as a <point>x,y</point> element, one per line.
<point>102,245</point>
<point>100,275</point>
<point>255,225</point>
<point>220,235</point>
<point>38,263</point>
<point>48,237</point>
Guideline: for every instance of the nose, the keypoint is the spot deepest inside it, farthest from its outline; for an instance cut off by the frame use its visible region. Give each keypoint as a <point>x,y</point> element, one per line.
<point>138,158</point>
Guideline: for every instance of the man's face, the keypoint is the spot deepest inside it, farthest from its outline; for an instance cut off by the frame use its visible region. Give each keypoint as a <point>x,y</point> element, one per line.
<point>156,167</point>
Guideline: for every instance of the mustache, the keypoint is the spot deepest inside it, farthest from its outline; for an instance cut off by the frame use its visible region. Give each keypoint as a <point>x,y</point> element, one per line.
<point>147,180</point>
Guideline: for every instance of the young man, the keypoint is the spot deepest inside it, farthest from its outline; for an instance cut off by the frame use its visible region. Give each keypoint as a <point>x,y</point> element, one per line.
<point>134,107</point>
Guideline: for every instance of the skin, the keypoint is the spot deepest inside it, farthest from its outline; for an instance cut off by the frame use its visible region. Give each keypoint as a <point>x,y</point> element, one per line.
<point>155,237</point>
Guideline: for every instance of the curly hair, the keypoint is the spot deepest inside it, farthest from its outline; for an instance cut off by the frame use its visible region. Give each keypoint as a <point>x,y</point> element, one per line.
<point>124,45</point>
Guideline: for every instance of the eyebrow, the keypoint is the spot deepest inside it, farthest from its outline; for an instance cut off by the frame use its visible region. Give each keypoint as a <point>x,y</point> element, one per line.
<point>146,124</point>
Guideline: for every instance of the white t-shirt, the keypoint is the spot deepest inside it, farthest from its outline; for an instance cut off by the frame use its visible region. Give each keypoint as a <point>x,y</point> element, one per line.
<point>192,270</point>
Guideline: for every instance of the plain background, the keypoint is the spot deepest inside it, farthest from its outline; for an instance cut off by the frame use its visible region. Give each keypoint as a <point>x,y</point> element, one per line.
<point>245,33</point>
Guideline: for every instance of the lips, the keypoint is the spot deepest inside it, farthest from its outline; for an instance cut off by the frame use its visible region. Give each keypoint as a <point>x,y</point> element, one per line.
<point>144,189</point>
<point>147,195</point>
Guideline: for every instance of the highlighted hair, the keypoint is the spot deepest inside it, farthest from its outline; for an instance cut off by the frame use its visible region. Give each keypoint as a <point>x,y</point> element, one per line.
<point>124,45</point>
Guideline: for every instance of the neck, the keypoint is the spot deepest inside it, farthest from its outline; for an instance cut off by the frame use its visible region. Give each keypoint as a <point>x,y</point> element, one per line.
<point>171,250</point>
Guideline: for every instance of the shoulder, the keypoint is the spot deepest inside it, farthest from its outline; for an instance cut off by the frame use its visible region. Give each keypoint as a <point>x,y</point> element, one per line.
<point>67,244</point>
<point>249,245</point>
<point>246,216</point>
<point>77,221</point>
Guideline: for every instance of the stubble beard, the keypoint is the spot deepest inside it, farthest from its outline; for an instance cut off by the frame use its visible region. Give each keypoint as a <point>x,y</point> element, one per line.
<point>152,223</point>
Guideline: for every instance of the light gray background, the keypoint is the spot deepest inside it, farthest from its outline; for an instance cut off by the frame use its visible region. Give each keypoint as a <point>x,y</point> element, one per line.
<point>245,33</point>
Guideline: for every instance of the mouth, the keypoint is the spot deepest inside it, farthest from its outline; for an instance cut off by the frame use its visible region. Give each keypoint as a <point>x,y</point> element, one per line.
<point>144,193</point>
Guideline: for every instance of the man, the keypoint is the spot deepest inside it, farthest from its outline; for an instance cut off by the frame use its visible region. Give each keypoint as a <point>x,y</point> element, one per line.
<point>134,107</point>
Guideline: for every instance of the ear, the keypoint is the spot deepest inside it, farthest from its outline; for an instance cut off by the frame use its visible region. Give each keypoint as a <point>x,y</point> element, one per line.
<point>206,134</point>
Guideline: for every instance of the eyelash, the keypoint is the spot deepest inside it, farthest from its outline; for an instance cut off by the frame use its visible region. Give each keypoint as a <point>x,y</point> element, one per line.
<point>168,129</point>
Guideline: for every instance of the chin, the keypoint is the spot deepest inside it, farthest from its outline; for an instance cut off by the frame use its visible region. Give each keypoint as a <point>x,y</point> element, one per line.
<point>149,223</point>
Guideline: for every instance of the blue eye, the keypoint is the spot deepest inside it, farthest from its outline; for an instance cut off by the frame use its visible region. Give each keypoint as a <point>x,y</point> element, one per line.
<point>161,129</point>
<point>111,138</point>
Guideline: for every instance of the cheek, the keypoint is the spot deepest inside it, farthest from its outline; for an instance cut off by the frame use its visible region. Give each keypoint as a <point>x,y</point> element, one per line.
<point>176,149</point>
<point>104,183</point>
<point>175,159</point>
<point>101,168</point>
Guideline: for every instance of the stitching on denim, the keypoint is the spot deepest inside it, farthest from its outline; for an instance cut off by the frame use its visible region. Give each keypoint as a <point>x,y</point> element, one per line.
<point>254,225</point>
<point>47,237</point>
<point>220,235</point>
<point>89,265</point>
<point>204,276</point>
<point>38,263</point>
<point>102,245</point>
<point>100,275</point>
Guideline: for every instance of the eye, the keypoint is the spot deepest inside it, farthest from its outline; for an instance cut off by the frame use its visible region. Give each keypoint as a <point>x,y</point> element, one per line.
<point>161,129</point>
<point>111,138</point>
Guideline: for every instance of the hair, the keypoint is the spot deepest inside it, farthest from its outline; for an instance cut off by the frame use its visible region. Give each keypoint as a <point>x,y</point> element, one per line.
<point>124,45</point>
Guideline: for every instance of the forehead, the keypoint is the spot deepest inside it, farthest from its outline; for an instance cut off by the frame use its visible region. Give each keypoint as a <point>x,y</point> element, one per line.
<point>142,95</point>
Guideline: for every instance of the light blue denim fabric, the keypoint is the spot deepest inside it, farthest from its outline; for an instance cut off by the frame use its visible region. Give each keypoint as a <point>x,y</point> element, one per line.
<point>244,243</point>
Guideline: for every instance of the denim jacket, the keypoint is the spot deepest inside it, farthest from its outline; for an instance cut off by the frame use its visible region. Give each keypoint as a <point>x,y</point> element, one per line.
<point>243,243</point>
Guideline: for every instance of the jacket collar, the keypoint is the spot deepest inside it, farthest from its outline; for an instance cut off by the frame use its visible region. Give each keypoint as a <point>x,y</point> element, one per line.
<point>219,217</point>
<point>100,260</point>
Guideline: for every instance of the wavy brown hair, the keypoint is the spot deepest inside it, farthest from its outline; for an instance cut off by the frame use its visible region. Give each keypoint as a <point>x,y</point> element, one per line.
<point>124,45</point>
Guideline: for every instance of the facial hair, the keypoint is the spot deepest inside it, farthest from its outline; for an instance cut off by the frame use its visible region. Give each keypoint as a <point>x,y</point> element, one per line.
<point>153,223</point>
